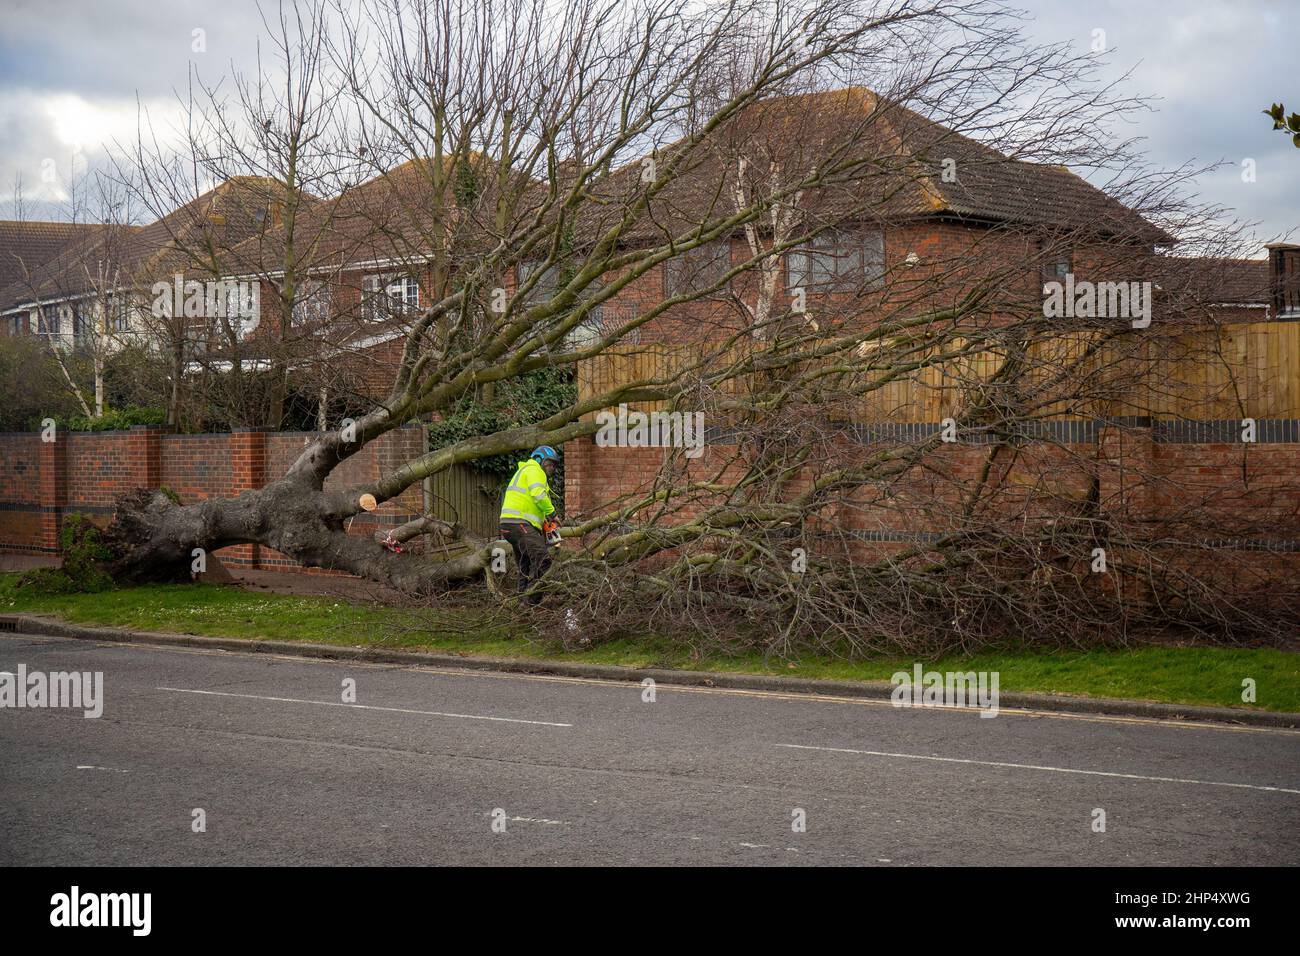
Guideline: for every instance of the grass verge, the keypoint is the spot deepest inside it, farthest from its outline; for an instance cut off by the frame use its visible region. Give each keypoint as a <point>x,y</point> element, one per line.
<point>1186,675</point>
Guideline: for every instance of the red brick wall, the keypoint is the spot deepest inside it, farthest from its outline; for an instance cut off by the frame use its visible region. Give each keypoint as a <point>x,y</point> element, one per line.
<point>87,471</point>
<point>20,492</point>
<point>197,466</point>
<point>1242,500</point>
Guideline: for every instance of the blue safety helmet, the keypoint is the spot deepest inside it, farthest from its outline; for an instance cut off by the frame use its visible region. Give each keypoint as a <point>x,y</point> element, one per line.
<point>545,453</point>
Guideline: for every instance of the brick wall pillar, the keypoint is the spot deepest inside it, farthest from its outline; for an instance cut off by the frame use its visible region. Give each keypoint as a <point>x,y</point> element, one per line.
<point>578,455</point>
<point>53,490</point>
<point>144,453</point>
<point>247,473</point>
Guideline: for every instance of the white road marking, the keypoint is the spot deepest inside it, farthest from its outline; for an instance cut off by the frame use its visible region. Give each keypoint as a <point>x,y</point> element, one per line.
<point>1030,766</point>
<point>394,710</point>
<point>538,820</point>
<point>109,769</point>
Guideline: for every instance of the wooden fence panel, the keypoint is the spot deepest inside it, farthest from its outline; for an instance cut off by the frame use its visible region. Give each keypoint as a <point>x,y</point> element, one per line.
<point>1234,371</point>
<point>468,495</point>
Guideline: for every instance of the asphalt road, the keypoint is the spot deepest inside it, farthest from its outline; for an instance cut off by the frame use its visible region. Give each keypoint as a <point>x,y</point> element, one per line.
<point>586,772</point>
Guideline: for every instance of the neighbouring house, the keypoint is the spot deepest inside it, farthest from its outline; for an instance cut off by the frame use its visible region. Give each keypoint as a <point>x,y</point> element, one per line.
<point>335,317</point>
<point>96,291</point>
<point>25,249</point>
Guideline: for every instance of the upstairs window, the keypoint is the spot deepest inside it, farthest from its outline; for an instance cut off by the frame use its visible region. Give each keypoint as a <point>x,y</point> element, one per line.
<point>698,269</point>
<point>119,313</point>
<point>1057,265</point>
<point>837,261</point>
<point>383,297</point>
<point>243,306</point>
<point>373,306</point>
<point>311,303</point>
<point>405,293</point>
<point>48,320</point>
<point>546,282</point>
<point>1285,269</point>
<point>83,328</point>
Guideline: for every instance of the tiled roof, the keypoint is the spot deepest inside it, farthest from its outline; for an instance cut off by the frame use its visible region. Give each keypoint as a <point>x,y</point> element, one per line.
<point>26,246</point>
<point>901,177</point>
<point>204,227</point>
<point>1216,280</point>
<point>397,216</point>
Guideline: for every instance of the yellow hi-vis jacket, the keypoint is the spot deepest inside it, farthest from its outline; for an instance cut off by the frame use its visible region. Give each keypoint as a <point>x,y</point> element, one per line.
<point>529,497</point>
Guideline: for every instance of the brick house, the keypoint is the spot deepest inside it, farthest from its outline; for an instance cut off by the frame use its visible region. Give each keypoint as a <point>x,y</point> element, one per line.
<point>27,248</point>
<point>101,283</point>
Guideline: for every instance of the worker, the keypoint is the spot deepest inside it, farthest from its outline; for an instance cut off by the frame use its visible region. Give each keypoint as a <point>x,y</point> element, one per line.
<point>527,516</point>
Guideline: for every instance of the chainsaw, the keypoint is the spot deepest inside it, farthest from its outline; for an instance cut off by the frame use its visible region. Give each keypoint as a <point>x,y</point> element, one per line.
<point>551,529</point>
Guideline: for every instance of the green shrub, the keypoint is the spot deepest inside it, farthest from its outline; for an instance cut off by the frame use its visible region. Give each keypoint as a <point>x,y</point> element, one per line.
<point>117,419</point>
<point>113,419</point>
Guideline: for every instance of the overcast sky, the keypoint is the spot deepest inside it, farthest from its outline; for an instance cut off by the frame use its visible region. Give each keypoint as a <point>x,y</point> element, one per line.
<point>71,72</point>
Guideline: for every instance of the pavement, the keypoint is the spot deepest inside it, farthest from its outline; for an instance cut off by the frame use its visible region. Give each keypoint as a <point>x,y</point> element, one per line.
<point>343,586</point>
<point>27,562</point>
<point>443,766</point>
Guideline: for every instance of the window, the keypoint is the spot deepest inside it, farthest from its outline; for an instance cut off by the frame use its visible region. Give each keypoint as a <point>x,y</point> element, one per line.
<point>1285,270</point>
<point>605,319</point>
<point>837,261</point>
<point>243,305</point>
<point>1057,265</point>
<point>404,293</point>
<point>383,297</point>
<point>545,287</point>
<point>48,320</point>
<point>119,313</point>
<point>83,328</point>
<point>311,303</point>
<point>698,269</point>
<point>372,303</point>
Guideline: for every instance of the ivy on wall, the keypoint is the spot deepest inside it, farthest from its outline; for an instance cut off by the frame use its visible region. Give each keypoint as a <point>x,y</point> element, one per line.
<point>524,400</point>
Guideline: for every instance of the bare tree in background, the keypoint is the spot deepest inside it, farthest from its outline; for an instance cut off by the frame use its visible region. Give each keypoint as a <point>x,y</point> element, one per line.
<point>18,199</point>
<point>85,285</point>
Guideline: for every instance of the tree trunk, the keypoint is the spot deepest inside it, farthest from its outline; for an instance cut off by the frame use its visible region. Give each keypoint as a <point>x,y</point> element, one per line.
<point>153,538</point>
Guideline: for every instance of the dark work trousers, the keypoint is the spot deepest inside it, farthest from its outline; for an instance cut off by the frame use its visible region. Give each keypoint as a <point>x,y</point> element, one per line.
<point>532,554</point>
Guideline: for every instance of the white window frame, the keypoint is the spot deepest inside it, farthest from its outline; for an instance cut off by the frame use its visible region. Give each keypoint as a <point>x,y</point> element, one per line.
<point>119,312</point>
<point>546,285</point>
<point>44,313</point>
<point>83,323</point>
<point>384,296</point>
<point>239,305</point>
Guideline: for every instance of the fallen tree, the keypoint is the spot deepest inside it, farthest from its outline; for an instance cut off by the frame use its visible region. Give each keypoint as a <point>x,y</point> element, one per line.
<point>563,162</point>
